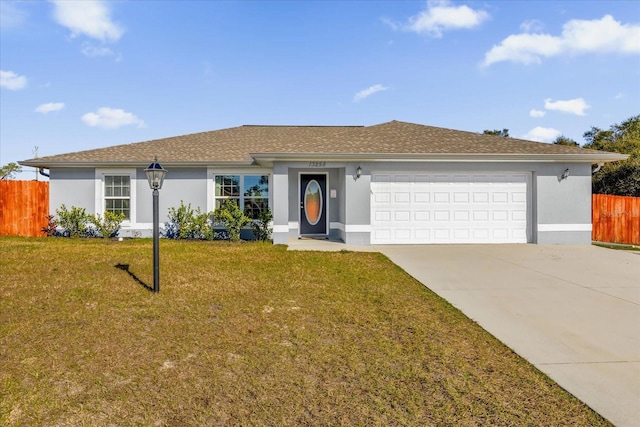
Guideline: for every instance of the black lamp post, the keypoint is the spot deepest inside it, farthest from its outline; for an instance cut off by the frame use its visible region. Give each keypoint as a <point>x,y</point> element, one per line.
<point>155,176</point>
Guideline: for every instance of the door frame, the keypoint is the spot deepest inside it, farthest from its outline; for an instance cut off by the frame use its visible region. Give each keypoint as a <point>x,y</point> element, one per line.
<point>326,200</point>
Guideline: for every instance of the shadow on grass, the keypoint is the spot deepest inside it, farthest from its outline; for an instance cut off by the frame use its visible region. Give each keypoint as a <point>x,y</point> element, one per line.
<point>125,267</point>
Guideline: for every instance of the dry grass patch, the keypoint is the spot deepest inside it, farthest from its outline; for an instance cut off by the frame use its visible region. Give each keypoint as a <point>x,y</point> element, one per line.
<point>247,334</point>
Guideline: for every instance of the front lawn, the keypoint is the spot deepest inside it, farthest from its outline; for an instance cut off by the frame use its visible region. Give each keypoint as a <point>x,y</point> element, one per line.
<point>247,334</point>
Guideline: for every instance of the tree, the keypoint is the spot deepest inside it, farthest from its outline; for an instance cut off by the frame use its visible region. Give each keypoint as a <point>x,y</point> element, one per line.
<point>618,178</point>
<point>563,140</point>
<point>8,171</point>
<point>497,132</point>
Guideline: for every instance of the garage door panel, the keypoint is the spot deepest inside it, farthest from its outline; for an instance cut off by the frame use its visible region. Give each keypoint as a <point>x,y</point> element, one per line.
<point>460,197</point>
<point>461,216</point>
<point>402,235</point>
<point>520,197</point>
<point>482,197</point>
<point>479,215</point>
<point>441,197</point>
<point>382,216</point>
<point>441,216</point>
<point>449,208</point>
<point>402,216</point>
<point>461,234</point>
<point>421,197</point>
<point>500,215</point>
<point>442,235</point>
<point>422,234</point>
<point>382,197</point>
<point>519,215</point>
<point>402,197</point>
<point>500,197</point>
<point>421,216</point>
<point>481,234</point>
<point>500,234</point>
<point>520,234</point>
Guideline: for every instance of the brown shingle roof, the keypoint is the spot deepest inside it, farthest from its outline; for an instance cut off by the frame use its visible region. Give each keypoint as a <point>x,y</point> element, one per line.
<point>236,145</point>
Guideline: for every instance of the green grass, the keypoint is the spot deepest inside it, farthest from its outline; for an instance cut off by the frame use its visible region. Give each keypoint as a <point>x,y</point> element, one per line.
<point>617,246</point>
<point>247,334</point>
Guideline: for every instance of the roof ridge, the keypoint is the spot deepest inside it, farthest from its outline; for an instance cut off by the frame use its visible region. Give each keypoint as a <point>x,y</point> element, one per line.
<point>305,126</point>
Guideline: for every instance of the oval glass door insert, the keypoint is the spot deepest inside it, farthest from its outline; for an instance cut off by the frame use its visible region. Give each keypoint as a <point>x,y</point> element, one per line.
<point>313,202</point>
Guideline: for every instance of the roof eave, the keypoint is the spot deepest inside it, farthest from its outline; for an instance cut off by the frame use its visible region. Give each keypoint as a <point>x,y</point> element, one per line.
<point>264,158</point>
<point>134,164</point>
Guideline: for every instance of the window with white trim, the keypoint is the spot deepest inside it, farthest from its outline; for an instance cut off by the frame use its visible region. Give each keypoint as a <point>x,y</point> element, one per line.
<point>117,194</point>
<point>250,192</point>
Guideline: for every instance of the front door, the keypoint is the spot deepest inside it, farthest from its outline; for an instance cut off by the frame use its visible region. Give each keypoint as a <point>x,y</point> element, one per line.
<point>313,204</point>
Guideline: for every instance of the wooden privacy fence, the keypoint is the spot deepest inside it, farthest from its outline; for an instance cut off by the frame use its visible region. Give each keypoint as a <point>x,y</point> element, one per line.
<point>616,219</point>
<point>24,206</point>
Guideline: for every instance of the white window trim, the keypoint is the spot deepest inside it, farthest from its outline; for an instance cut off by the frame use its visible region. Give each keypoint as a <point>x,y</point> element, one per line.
<point>100,203</point>
<point>211,182</point>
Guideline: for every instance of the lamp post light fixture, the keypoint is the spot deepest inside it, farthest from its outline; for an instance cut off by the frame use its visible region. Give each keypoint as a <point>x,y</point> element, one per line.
<point>155,176</point>
<point>358,172</point>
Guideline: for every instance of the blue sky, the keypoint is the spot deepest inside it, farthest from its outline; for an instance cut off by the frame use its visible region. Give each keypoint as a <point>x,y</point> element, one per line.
<point>78,75</point>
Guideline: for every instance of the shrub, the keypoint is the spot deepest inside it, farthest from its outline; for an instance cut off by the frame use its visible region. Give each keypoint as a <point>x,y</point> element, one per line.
<point>232,217</point>
<point>52,226</point>
<point>179,221</point>
<point>73,221</point>
<point>109,226</point>
<point>261,226</point>
<point>186,223</point>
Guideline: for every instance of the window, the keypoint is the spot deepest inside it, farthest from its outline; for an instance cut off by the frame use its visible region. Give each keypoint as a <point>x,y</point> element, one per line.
<point>250,192</point>
<point>117,194</point>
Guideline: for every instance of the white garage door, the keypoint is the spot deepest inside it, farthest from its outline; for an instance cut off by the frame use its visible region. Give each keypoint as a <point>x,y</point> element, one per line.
<point>449,208</point>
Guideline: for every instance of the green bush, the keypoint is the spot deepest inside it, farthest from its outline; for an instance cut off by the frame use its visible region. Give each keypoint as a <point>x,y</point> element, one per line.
<point>232,217</point>
<point>107,226</point>
<point>261,226</point>
<point>73,221</point>
<point>187,223</point>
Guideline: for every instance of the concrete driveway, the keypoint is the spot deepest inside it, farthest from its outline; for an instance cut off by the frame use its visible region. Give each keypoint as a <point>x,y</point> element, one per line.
<point>572,311</point>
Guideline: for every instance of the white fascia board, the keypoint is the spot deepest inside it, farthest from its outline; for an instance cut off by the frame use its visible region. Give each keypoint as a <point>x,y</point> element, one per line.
<point>71,164</point>
<point>268,158</point>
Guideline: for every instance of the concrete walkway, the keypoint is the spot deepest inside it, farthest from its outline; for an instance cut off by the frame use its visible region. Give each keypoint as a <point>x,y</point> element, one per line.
<point>572,311</point>
<point>326,245</point>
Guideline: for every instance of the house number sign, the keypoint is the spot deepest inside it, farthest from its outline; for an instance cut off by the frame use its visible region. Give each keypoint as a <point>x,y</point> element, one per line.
<point>317,164</point>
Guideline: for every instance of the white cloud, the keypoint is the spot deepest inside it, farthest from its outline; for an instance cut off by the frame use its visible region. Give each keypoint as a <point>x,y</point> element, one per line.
<point>91,18</point>
<point>111,118</point>
<point>572,106</point>
<point>11,16</point>
<point>393,25</point>
<point>49,107</point>
<point>531,26</point>
<point>620,95</point>
<point>368,92</point>
<point>524,48</point>
<point>537,113</point>
<point>541,134</point>
<point>440,16</point>
<point>12,81</point>
<point>605,35</point>
<point>91,51</point>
